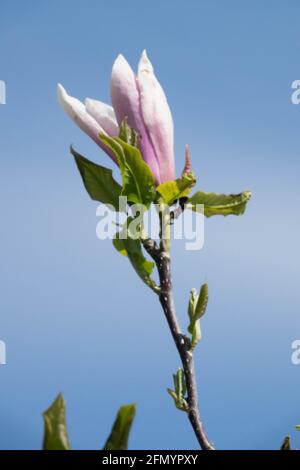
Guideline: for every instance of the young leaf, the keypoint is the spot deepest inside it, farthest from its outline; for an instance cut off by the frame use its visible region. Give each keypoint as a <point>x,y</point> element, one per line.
<point>173,395</point>
<point>132,247</point>
<point>181,187</point>
<point>180,391</point>
<point>118,438</point>
<point>200,306</point>
<point>179,383</point>
<point>195,329</point>
<point>193,299</point>
<point>181,405</point>
<point>286,445</point>
<point>55,430</point>
<point>137,178</point>
<point>197,307</point>
<point>98,181</point>
<point>129,135</point>
<point>201,302</point>
<point>219,204</point>
<point>297,427</point>
<point>119,245</point>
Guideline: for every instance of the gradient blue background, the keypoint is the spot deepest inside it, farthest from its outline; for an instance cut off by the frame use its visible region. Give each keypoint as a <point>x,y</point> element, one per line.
<point>73,314</point>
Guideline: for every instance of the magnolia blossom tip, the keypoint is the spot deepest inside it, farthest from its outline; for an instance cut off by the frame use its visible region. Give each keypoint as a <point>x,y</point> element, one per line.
<point>63,97</point>
<point>60,90</point>
<point>120,70</point>
<point>145,64</point>
<point>120,60</point>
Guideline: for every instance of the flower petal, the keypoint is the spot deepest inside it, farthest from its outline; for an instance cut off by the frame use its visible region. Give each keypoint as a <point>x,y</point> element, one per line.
<point>77,112</point>
<point>126,103</point>
<point>157,118</point>
<point>104,115</point>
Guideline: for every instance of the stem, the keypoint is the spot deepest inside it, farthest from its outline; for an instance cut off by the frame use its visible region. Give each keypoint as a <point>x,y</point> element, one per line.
<point>182,343</point>
<point>162,259</point>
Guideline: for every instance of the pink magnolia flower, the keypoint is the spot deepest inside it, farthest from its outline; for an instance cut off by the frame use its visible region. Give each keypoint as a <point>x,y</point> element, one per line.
<point>142,101</point>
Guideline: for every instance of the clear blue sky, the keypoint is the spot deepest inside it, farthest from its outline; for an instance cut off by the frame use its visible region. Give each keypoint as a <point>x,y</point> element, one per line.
<point>73,314</point>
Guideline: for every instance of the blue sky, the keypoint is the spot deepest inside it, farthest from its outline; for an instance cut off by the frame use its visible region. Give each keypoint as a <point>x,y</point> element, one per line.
<point>73,314</point>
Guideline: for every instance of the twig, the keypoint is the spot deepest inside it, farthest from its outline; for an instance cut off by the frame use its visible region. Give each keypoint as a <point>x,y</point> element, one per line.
<point>162,259</point>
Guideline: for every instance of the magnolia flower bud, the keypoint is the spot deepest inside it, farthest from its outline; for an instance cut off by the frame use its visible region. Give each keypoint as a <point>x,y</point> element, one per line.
<point>141,101</point>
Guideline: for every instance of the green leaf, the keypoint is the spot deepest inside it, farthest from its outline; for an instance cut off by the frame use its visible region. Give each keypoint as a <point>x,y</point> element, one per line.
<point>129,135</point>
<point>219,204</point>
<point>179,383</point>
<point>195,330</point>
<point>193,299</point>
<point>119,246</point>
<point>286,445</point>
<point>126,244</point>
<point>201,302</point>
<point>181,187</point>
<point>180,390</point>
<point>200,306</point>
<point>197,308</point>
<point>98,181</point>
<point>196,334</point>
<point>137,178</point>
<point>118,438</point>
<point>297,427</point>
<point>173,395</point>
<point>55,430</point>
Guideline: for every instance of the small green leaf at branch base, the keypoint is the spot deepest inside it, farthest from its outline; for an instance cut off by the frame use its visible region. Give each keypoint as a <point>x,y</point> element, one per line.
<point>196,334</point>
<point>178,394</point>
<point>118,438</point>
<point>179,188</point>
<point>55,429</point>
<point>219,204</point>
<point>201,302</point>
<point>193,299</point>
<point>137,178</point>
<point>196,309</point>
<point>286,445</point>
<point>179,383</point>
<point>98,181</point>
